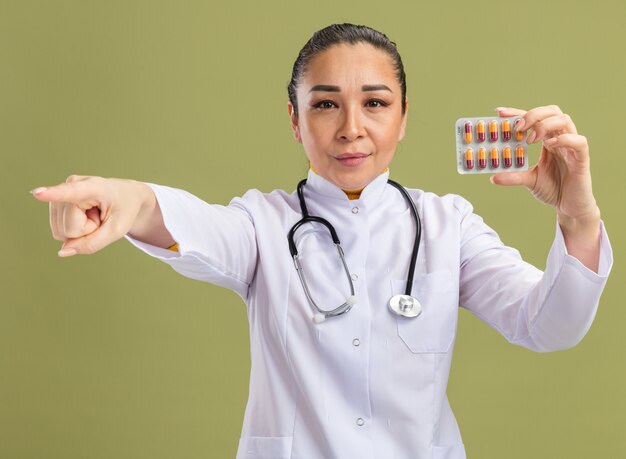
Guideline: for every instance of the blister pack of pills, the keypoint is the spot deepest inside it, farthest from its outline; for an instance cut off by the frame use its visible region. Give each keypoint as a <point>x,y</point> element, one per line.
<point>489,144</point>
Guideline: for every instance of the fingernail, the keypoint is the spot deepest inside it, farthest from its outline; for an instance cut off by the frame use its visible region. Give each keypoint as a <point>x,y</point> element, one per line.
<point>531,138</point>
<point>520,124</point>
<point>38,190</point>
<point>498,109</point>
<point>67,252</point>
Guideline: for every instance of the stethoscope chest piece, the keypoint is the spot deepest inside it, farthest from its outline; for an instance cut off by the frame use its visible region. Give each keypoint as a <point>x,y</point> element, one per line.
<point>405,305</point>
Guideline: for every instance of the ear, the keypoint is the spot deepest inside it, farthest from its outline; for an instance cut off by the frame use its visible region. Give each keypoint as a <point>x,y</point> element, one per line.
<point>294,122</point>
<point>404,118</point>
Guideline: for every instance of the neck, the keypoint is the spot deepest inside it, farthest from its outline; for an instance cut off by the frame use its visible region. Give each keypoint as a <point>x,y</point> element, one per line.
<point>352,194</point>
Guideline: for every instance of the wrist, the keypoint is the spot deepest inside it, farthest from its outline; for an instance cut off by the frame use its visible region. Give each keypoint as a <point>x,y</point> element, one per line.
<point>147,202</point>
<point>584,222</point>
<point>581,235</point>
<point>149,226</point>
<point>146,197</point>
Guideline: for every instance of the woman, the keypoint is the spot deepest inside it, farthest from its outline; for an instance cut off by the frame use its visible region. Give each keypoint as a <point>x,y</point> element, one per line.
<point>365,383</point>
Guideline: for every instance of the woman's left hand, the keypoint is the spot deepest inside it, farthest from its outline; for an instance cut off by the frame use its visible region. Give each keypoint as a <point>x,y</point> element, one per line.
<point>561,178</point>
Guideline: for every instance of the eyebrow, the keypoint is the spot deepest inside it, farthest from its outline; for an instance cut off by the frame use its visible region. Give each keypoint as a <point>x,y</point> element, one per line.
<point>367,87</point>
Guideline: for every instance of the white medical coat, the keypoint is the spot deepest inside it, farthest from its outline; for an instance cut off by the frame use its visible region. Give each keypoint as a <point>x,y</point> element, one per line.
<point>368,384</point>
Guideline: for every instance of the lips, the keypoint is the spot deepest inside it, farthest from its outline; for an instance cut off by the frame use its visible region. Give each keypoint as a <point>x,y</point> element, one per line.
<point>351,155</point>
<point>352,159</point>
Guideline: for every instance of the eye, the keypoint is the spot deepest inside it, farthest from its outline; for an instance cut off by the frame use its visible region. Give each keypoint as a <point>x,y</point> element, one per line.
<point>376,103</point>
<point>325,104</point>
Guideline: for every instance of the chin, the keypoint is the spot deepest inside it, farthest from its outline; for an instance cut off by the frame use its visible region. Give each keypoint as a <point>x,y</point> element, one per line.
<point>354,181</point>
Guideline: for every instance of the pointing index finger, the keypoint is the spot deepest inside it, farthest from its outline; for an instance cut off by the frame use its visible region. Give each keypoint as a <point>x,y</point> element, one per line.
<point>65,192</point>
<point>36,191</point>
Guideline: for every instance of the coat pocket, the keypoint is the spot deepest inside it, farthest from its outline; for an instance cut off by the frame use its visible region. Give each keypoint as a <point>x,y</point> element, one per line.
<point>434,329</point>
<point>264,448</point>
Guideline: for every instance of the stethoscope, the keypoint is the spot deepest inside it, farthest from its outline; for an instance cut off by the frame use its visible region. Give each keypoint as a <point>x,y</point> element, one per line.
<point>403,304</point>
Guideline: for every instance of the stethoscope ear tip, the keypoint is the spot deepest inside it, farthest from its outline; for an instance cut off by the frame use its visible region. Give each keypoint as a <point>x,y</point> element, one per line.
<point>319,318</point>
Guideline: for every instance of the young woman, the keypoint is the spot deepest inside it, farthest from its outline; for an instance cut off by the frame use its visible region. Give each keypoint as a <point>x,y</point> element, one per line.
<point>342,367</point>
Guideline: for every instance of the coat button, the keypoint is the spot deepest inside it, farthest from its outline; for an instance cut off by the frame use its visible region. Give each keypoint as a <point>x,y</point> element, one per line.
<point>354,277</point>
<point>360,422</point>
<point>355,210</point>
<point>356,342</point>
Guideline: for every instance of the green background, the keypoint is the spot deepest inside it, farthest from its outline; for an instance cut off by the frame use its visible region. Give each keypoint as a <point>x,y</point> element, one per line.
<point>115,355</point>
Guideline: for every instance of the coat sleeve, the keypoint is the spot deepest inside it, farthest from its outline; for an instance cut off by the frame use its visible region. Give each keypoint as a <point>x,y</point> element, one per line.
<point>542,311</point>
<point>216,244</point>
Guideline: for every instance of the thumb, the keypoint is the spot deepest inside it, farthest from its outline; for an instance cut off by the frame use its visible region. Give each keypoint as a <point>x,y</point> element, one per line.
<point>90,243</point>
<point>522,178</point>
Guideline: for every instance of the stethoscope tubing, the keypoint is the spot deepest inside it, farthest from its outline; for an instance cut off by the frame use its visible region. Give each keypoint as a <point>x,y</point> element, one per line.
<point>418,234</point>
<point>306,218</point>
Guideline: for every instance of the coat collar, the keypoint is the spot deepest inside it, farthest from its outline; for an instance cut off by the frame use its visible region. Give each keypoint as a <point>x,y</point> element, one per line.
<point>373,191</point>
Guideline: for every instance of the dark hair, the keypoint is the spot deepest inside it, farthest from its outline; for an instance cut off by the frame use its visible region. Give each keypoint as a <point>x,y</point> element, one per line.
<point>336,34</point>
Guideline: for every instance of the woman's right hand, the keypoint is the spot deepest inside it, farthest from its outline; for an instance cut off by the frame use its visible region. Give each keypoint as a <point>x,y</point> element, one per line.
<point>88,213</point>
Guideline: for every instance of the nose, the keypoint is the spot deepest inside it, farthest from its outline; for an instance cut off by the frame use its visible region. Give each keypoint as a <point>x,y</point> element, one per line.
<point>351,125</point>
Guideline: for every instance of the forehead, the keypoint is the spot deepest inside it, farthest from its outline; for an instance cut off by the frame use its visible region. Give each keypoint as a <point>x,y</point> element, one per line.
<point>344,64</point>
